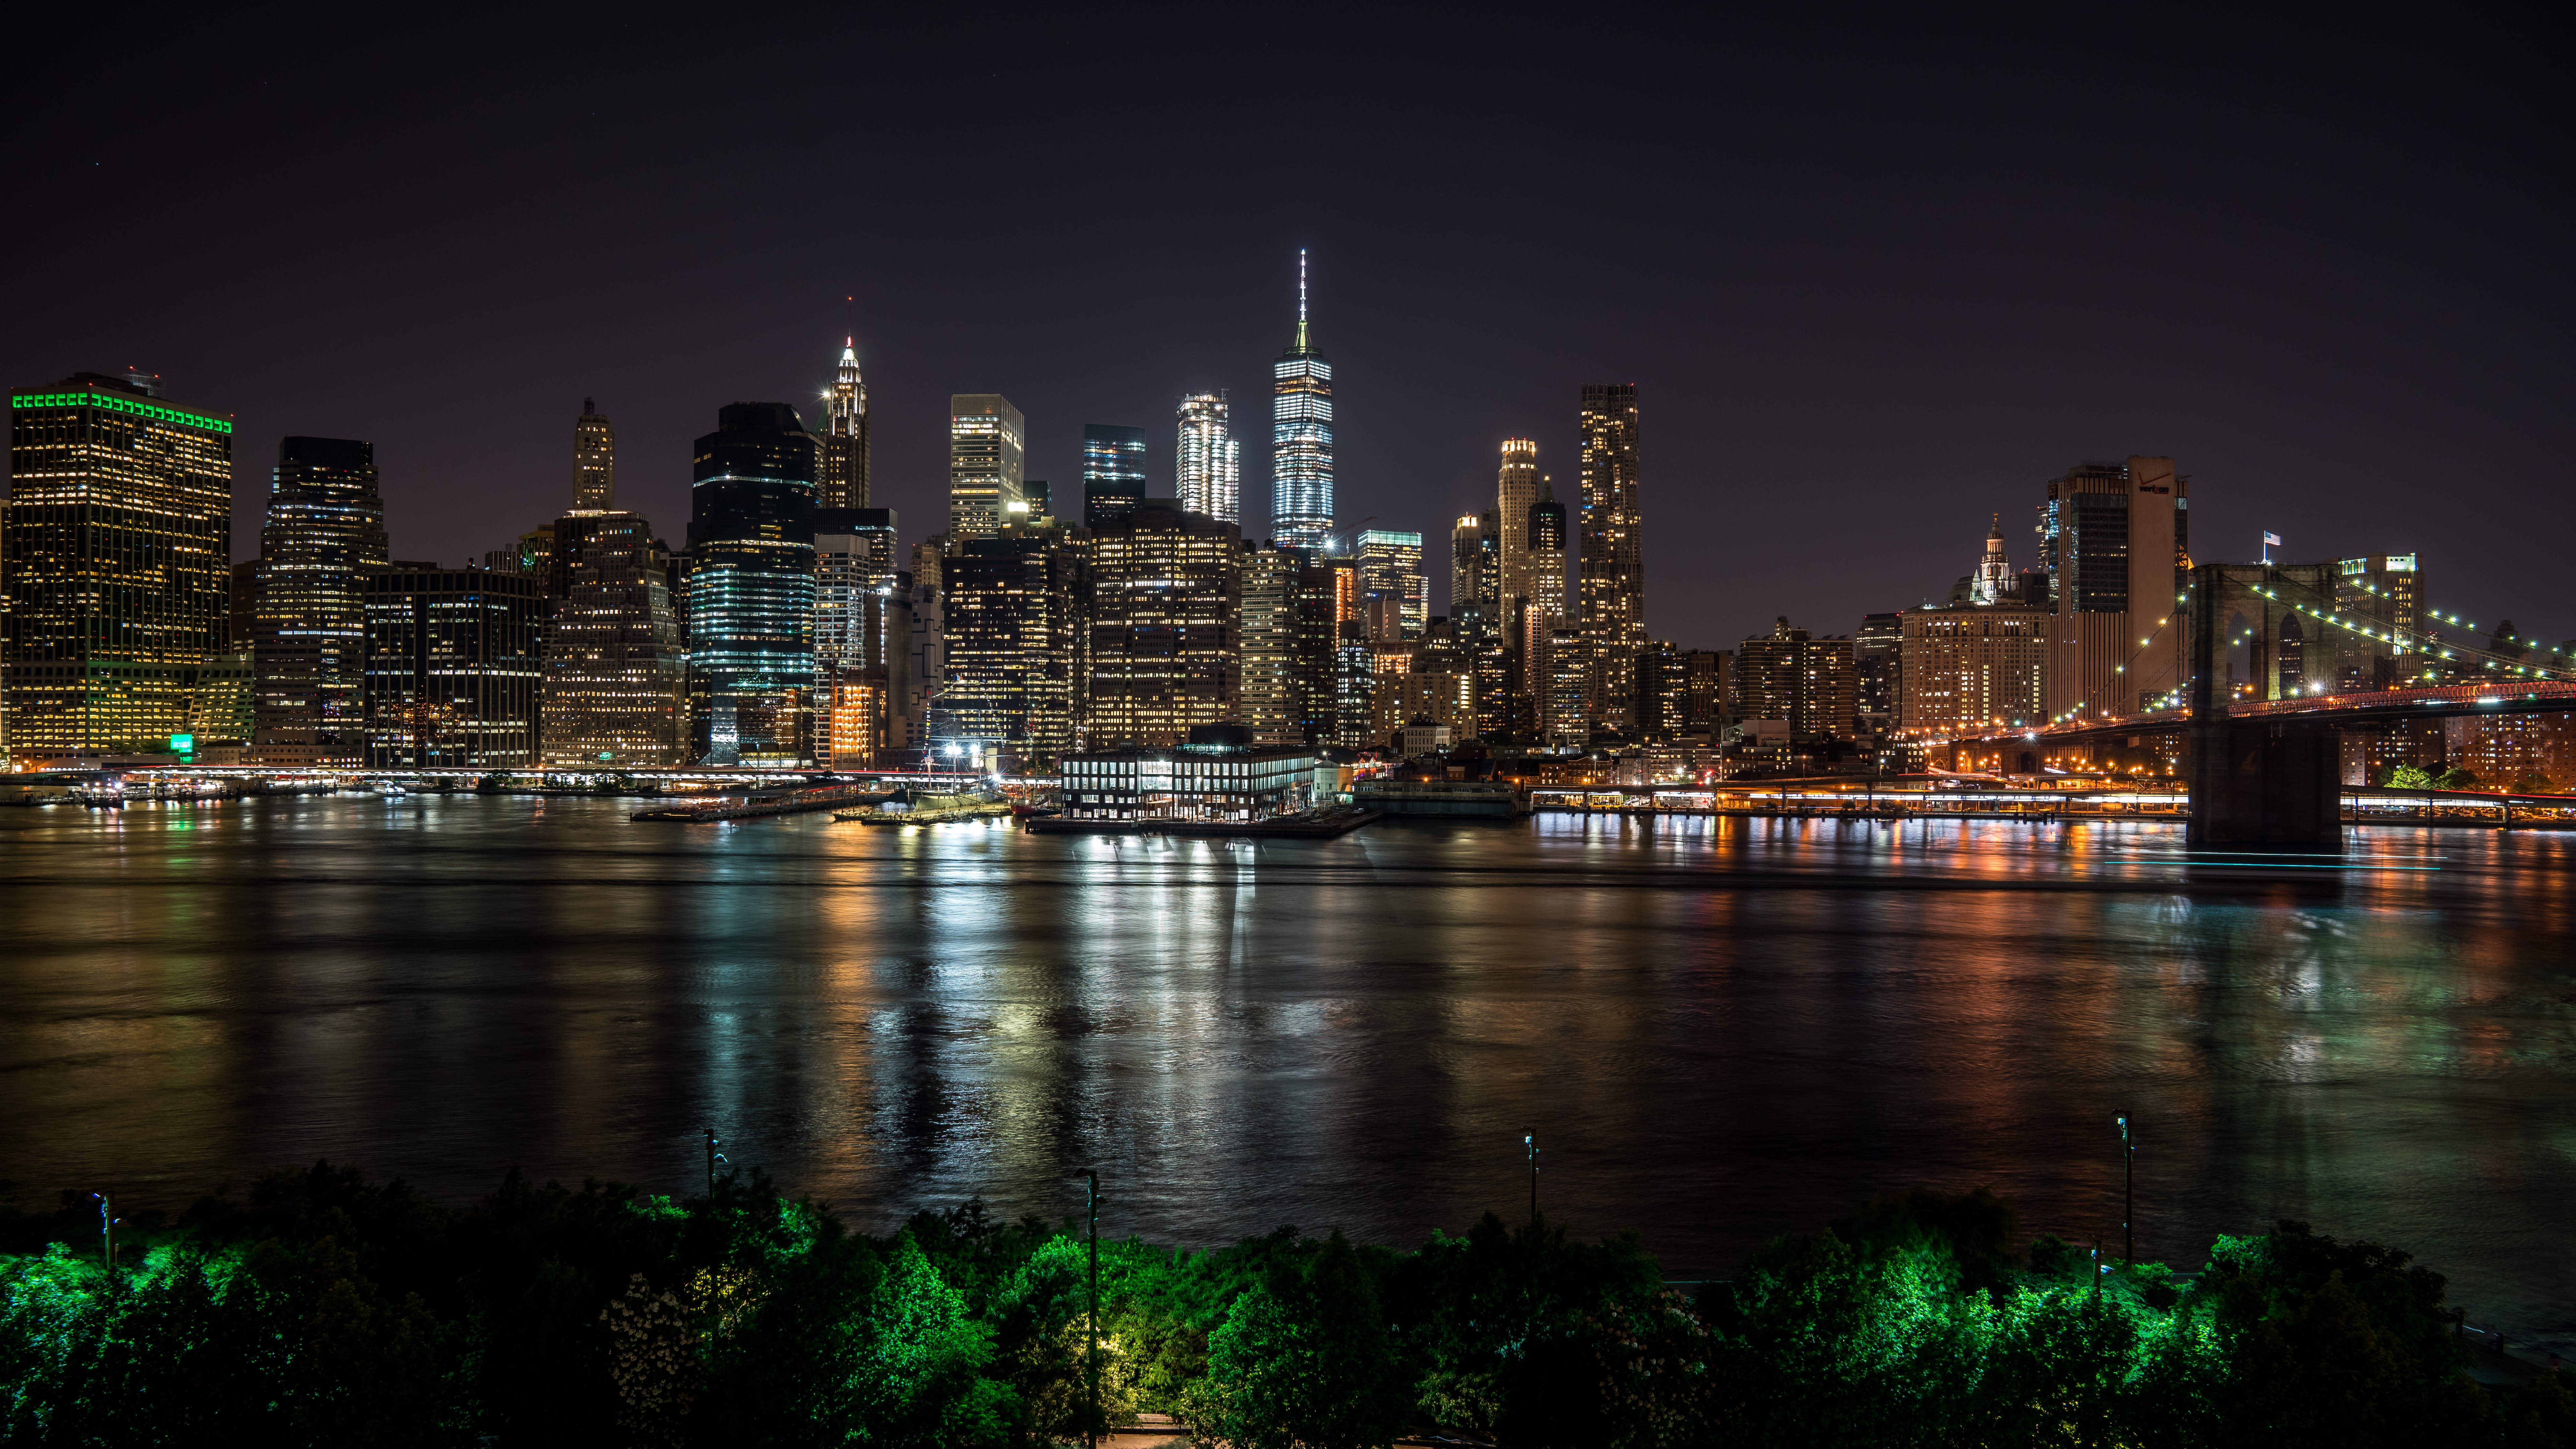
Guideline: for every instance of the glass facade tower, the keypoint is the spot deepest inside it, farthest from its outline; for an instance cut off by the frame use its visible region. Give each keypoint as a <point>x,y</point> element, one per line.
<point>117,539</point>
<point>751,588</point>
<point>1301,438</point>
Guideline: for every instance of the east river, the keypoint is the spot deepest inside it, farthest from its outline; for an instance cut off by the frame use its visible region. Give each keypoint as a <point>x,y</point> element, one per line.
<point>1718,1030</point>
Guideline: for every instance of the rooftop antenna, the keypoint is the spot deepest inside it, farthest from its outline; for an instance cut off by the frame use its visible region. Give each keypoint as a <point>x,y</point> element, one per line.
<point>1301,289</point>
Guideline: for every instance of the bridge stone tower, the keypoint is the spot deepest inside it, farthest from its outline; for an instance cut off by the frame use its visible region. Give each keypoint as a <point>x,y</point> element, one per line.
<point>2257,785</point>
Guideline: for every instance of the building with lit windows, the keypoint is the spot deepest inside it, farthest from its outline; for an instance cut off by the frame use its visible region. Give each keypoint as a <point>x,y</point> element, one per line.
<point>1391,572</point>
<point>1301,437</point>
<point>1790,675</point>
<point>1221,776</point>
<point>1272,706</point>
<point>116,547</point>
<point>594,461</point>
<point>751,589</point>
<point>842,480</point>
<point>1010,614</point>
<point>1516,493</point>
<point>1878,656</point>
<point>1611,609</point>
<point>452,668</point>
<point>614,682</point>
<point>2115,538</point>
<point>2383,593</point>
<point>1972,667</point>
<point>859,715</point>
<point>987,442</point>
<point>1113,471</point>
<point>1207,460</point>
<point>1163,653</point>
<point>325,530</point>
<point>855,563</point>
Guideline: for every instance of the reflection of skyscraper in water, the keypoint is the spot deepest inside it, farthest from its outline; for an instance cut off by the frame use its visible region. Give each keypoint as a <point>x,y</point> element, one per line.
<point>1301,438</point>
<point>1207,460</point>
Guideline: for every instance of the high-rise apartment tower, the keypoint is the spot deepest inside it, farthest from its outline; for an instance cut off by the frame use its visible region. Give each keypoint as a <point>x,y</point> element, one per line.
<point>1207,461</point>
<point>1515,492</point>
<point>1612,613</point>
<point>1301,437</point>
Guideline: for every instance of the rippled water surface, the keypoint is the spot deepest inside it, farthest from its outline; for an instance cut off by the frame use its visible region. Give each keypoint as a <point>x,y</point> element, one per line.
<point>1719,1030</point>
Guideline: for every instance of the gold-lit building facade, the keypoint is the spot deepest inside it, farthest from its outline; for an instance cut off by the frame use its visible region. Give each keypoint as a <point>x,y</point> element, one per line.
<point>1163,649</point>
<point>1968,668</point>
<point>118,549</point>
<point>614,690</point>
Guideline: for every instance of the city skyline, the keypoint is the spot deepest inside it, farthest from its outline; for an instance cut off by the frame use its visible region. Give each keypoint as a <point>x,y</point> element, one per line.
<point>2338,359</point>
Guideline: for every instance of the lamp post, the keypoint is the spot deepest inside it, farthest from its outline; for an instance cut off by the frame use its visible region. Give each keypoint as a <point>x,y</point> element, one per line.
<point>1091,1427</point>
<point>2128,1193</point>
<point>1530,1140</point>
<point>714,1157</point>
<point>107,1234</point>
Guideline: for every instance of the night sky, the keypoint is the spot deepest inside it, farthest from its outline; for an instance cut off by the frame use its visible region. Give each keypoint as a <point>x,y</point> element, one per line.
<point>1875,279</point>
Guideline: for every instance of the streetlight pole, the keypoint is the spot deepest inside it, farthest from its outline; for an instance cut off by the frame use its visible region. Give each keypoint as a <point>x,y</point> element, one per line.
<point>1530,1141</point>
<point>2128,1193</point>
<point>714,1157</point>
<point>107,1234</point>
<point>1091,1427</point>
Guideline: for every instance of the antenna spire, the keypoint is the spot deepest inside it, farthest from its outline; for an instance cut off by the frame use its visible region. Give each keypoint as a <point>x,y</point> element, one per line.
<point>1304,342</point>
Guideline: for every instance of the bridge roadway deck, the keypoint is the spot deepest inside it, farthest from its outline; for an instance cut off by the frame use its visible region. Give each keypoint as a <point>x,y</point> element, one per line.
<point>2378,706</point>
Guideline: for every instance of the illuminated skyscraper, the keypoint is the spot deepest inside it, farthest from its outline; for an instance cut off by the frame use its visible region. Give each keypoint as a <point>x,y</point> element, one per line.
<point>1391,568</point>
<point>452,667</point>
<point>1515,492</point>
<point>1612,614</point>
<point>1301,438</point>
<point>1009,642</point>
<point>1546,535</point>
<point>987,439</point>
<point>615,678</point>
<point>118,539</point>
<point>1273,697</point>
<point>594,462</point>
<point>844,479</point>
<point>1994,577</point>
<point>2113,536</point>
<point>1113,471</point>
<point>751,588</point>
<point>1164,649</point>
<point>325,529</point>
<point>1542,616</point>
<point>1208,462</point>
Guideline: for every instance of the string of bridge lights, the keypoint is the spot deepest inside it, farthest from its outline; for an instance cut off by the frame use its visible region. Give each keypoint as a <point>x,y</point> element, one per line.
<point>2428,645</point>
